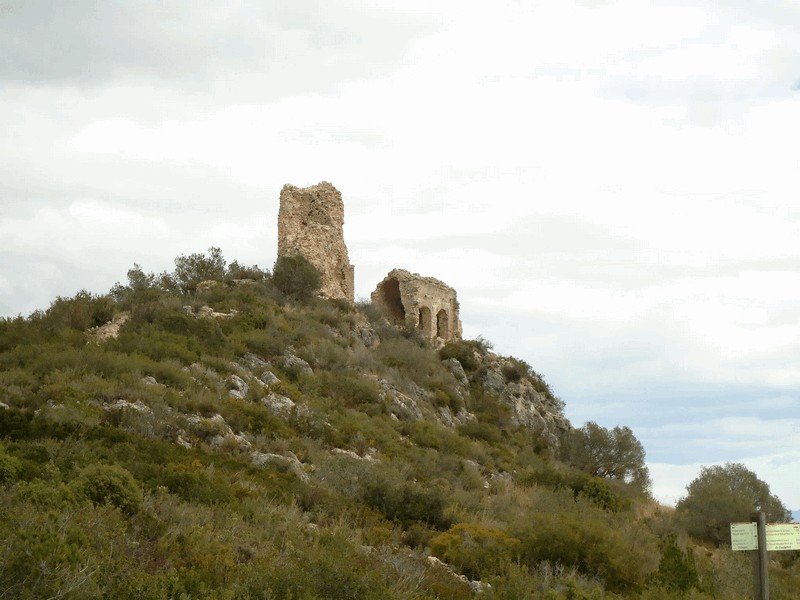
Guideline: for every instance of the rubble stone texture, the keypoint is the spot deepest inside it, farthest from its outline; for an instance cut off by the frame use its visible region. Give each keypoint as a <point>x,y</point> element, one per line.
<point>310,224</point>
<point>109,331</point>
<point>421,303</point>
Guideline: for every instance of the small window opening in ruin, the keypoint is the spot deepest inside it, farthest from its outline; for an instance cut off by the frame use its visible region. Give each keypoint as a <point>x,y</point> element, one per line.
<point>394,306</point>
<point>425,320</point>
<point>442,325</point>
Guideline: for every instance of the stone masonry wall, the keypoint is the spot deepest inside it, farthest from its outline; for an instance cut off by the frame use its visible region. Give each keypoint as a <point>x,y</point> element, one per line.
<point>310,224</point>
<point>423,303</point>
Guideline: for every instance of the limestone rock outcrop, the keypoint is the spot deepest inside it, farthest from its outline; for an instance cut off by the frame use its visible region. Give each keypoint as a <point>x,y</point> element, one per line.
<point>108,331</point>
<point>531,405</point>
<point>422,303</point>
<point>310,224</point>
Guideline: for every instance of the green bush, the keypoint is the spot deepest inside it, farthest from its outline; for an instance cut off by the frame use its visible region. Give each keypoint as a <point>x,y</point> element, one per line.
<point>10,468</point>
<point>515,370</point>
<point>445,395</point>
<point>349,389</point>
<point>408,356</point>
<point>253,418</point>
<point>110,484</point>
<point>481,431</point>
<point>488,408</point>
<point>430,435</point>
<point>237,271</point>
<point>296,278</point>
<point>159,345</point>
<point>336,313</point>
<point>80,312</point>
<point>193,485</point>
<point>205,333</point>
<point>327,354</point>
<point>467,352</point>
<point>408,503</point>
<point>600,493</point>
<point>475,550</point>
<point>16,331</point>
<point>586,543</point>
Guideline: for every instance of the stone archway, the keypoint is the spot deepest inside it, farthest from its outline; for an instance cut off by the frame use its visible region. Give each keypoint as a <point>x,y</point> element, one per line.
<point>423,304</point>
<point>425,323</point>
<point>390,291</point>
<point>443,325</point>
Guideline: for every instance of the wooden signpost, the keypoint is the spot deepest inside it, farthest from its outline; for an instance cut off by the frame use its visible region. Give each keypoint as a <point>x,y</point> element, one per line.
<point>760,538</point>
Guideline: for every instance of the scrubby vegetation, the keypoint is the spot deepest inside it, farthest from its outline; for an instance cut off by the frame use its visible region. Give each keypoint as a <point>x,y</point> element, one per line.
<point>241,438</point>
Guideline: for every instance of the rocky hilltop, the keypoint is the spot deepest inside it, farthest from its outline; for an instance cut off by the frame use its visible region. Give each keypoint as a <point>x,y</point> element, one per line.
<point>227,432</point>
<point>210,433</point>
<point>160,404</point>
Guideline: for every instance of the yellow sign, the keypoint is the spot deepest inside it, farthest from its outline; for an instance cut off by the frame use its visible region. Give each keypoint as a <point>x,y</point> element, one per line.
<point>744,536</point>
<point>783,536</point>
<point>780,536</point>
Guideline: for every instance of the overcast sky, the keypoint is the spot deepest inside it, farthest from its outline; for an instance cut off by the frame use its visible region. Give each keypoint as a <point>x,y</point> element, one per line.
<point>610,186</point>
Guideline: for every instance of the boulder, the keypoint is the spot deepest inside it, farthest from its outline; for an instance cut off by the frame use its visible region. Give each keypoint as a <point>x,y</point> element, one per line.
<point>280,405</point>
<point>237,387</point>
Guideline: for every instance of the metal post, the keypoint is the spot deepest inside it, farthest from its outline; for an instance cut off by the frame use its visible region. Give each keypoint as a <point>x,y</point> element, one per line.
<point>756,574</point>
<point>763,561</point>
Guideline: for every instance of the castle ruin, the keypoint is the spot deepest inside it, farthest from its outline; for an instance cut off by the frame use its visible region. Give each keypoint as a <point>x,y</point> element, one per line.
<point>310,224</point>
<point>422,303</point>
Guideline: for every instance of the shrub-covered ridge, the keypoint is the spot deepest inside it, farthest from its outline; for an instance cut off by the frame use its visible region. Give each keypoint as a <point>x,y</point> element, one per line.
<point>237,437</point>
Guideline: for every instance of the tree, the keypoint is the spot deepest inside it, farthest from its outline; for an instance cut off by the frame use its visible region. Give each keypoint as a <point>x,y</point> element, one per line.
<point>295,277</point>
<point>80,312</point>
<point>191,270</point>
<point>608,453</point>
<point>9,468</point>
<point>726,494</point>
<point>677,570</point>
<point>142,287</point>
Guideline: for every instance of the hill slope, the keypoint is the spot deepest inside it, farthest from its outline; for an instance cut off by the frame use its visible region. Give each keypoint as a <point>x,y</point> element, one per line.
<point>190,436</point>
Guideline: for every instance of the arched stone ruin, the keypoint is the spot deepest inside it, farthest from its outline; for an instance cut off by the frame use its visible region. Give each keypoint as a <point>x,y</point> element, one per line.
<point>310,224</point>
<point>422,303</point>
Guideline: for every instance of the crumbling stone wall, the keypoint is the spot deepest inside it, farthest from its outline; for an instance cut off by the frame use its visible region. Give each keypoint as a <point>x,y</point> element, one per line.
<point>310,224</point>
<point>422,303</point>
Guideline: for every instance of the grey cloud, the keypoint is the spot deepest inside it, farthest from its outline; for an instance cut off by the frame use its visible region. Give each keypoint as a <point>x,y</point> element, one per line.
<point>169,188</point>
<point>287,47</point>
<point>35,280</point>
<point>710,97</point>
<point>533,237</point>
<point>58,251</point>
<point>575,249</point>
<point>716,99</point>
<point>780,14</point>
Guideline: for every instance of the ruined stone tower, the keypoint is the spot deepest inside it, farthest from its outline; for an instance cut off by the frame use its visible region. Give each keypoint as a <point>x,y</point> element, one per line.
<point>310,224</point>
<point>422,303</point>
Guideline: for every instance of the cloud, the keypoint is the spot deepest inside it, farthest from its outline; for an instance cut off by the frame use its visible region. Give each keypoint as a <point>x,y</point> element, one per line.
<point>250,50</point>
<point>766,443</point>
